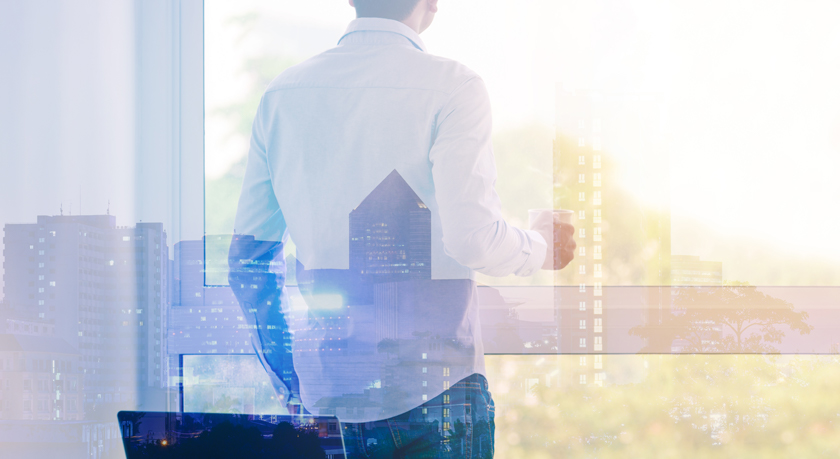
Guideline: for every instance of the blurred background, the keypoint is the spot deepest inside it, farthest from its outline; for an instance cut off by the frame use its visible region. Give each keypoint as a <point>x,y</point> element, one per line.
<point>697,144</point>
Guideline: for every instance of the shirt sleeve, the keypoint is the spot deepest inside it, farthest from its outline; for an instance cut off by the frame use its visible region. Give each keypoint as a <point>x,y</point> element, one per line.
<point>474,232</point>
<point>258,214</point>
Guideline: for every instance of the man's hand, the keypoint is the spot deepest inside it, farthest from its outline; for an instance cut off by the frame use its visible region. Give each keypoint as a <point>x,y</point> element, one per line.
<point>561,244</point>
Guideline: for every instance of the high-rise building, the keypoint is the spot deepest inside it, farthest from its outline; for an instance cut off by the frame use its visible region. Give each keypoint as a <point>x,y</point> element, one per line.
<point>622,240</point>
<point>99,288</point>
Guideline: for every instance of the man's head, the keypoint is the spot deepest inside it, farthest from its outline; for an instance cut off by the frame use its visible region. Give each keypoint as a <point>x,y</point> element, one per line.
<point>417,14</point>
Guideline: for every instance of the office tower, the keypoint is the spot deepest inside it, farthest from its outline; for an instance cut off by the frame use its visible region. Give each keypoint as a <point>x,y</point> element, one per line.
<point>623,235</point>
<point>101,289</point>
<point>390,234</point>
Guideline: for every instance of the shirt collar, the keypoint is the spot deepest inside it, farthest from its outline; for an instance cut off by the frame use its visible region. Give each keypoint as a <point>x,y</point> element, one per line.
<point>384,25</point>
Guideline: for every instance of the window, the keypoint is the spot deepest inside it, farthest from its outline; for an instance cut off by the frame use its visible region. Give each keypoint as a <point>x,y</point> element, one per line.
<point>52,283</point>
<point>40,302</point>
<point>424,356</point>
<point>446,399</point>
<point>596,144</point>
<point>446,412</point>
<point>582,215</point>
<point>596,217</point>
<point>27,384</point>
<point>446,425</point>
<point>597,235</point>
<point>425,397</point>
<point>583,342</point>
<point>40,252</point>
<point>27,405</point>
<point>40,265</point>
<point>598,325</point>
<point>598,344</point>
<point>583,360</point>
<point>599,362</point>
<point>583,379</point>
<point>596,162</point>
<point>582,269</point>
<point>598,272</point>
<point>425,369</point>
<point>582,324</point>
<point>425,383</point>
<point>582,251</point>
<point>581,160</point>
<point>582,196</point>
<point>597,254</point>
<point>446,371</point>
<point>596,179</point>
<point>40,289</point>
<point>598,291</point>
<point>582,288</point>
<point>581,178</point>
<point>582,233</point>
<point>596,198</point>
<point>126,238</point>
<point>425,411</point>
<point>446,385</point>
<point>581,142</point>
<point>41,277</point>
<point>582,306</point>
<point>596,125</point>
<point>598,307</point>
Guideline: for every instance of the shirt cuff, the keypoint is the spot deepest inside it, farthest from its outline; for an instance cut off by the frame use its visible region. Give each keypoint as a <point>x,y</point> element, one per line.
<point>535,248</point>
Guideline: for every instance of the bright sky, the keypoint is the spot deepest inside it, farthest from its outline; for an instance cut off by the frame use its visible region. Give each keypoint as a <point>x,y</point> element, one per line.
<point>750,89</point>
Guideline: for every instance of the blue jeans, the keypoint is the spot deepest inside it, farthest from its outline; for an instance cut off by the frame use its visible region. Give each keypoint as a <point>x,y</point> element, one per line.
<point>458,423</point>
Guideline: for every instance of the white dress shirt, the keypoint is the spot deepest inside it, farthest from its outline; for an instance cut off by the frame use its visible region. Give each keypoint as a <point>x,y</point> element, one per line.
<point>330,129</point>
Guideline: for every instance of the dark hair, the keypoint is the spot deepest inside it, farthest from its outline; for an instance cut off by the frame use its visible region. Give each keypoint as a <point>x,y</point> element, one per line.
<point>389,9</point>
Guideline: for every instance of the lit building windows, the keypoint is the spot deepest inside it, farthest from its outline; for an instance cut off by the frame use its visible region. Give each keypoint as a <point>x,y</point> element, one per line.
<point>599,362</point>
<point>596,198</point>
<point>598,272</point>
<point>425,383</point>
<point>446,371</point>
<point>582,305</point>
<point>446,385</point>
<point>52,283</point>
<point>596,216</point>
<point>582,288</point>
<point>446,412</point>
<point>583,379</point>
<point>582,233</point>
<point>597,235</point>
<point>425,369</point>
<point>581,160</point>
<point>596,179</point>
<point>446,399</point>
<point>581,179</point>
<point>446,426</point>
<point>596,162</point>
<point>425,397</point>
<point>583,342</point>
<point>598,307</point>
<point>581,215</point>
<point>582,251</point>
<point>598,328</point>
<point>582,324</point>
<point>598,289</point>
<point>583,360</point>
<point>597,253</point>
<point>598,344</point>
<point>40,289</point>
<point>425,356</point>
<point>126,238</point>
<point>581,269</point>
<point>582,196</point>
<point>581,142</point>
